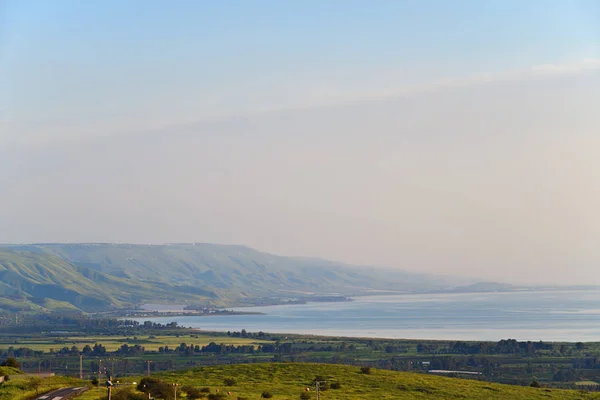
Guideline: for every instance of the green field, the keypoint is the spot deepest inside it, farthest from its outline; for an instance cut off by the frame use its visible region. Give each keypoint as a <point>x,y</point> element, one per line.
<point>556,365</point>
<point>289,380</point>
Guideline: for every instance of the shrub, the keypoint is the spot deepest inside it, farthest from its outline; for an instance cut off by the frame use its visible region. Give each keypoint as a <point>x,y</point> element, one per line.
<point>205,390</point>
<point>242,398</point>
<point>192,392</point>
<point>266,395</point>
<point>216,396</point>
<point>534,383</point>
<point>305,396</point>
<point>336,385</point>
<point>365,370</point>
<point>127,394</point>
<point>229,381</point>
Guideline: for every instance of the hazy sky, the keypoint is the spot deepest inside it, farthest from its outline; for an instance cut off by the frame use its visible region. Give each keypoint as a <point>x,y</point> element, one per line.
<point>457,137</point>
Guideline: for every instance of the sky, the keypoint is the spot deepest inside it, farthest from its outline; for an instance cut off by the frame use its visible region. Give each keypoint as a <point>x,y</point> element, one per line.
<point>441,137</point>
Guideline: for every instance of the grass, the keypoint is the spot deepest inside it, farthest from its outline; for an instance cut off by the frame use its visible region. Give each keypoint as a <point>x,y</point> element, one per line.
<point>19,386</point>
<point>9,371</point>
<point>289,380</point>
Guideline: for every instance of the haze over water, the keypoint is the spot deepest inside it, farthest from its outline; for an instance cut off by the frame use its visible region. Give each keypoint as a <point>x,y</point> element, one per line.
<point>536,315</point>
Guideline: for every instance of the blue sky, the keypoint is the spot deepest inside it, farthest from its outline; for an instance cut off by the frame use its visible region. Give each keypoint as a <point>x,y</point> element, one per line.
<point>455,137</point>
<point>65,61</point>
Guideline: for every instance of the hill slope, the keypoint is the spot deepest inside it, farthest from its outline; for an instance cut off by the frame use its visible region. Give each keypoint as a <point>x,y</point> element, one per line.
<point>101,276</point>
<point>289,380</point>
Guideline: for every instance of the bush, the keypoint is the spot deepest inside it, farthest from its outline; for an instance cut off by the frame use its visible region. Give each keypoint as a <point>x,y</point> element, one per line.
<point>229,381</point>
<point>242,398</point>
<point>365,370</point>
<point>336,385</point>
<point>205,390</point>
<point>127,394</point>
<point>192,392</point>
<point>216,396</point>
<point>534,383</point>
<point>266,395</point>
<point>305,396</point>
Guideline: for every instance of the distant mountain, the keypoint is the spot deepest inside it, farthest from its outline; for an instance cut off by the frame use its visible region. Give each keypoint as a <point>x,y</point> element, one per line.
<point>99,276</point>
<point>484,287</point>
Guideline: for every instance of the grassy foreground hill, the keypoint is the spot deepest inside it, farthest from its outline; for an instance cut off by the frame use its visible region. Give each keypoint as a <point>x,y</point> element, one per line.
<point>25,387</point>
<point>93,277</point>
<point>289,380</point>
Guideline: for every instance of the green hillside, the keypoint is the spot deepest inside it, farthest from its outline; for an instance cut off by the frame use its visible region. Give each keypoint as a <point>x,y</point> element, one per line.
<point>22,387</point>
<point>105,276</point>
<point>289,381</point>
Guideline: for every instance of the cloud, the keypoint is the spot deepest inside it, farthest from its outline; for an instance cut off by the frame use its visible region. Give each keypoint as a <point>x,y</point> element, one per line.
<point>42,132</point>
<point>575,67</point>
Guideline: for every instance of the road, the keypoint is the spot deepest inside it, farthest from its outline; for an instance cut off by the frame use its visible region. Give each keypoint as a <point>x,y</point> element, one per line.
<point>63,394</point>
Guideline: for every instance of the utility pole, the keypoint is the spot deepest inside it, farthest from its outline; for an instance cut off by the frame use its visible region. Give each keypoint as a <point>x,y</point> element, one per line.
<point>109,386</point>
<point>81,366</point>
<point>148,372</point>
<point>146,390</point>
<point>175,388</point>
<point>318,385</point>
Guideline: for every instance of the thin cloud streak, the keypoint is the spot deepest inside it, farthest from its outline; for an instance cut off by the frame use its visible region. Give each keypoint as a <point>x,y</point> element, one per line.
<point>55,130</point>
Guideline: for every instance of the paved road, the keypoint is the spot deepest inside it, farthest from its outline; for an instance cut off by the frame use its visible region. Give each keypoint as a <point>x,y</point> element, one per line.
<point>63,394</point>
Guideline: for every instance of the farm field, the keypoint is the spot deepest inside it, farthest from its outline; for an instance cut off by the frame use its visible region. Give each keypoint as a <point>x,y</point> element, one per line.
<point>113,343</point>
<point>131,353</point>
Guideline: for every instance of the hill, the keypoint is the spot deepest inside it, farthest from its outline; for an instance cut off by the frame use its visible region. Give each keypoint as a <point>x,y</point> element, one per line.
<point>96,277</point>
<point>26,387</point>
<point>9,371</point>
<point>289,380</point>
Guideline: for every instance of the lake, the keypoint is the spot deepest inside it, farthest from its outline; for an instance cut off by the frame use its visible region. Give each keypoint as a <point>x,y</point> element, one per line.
<point>533,315</point>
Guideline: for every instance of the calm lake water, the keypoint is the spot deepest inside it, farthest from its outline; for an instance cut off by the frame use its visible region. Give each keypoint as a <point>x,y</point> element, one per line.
<point>541,315</point>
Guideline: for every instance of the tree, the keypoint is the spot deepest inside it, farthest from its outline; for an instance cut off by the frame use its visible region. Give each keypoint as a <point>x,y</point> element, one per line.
<point>35,382</point>
<point>156,388</point>
<point>11,362</point>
